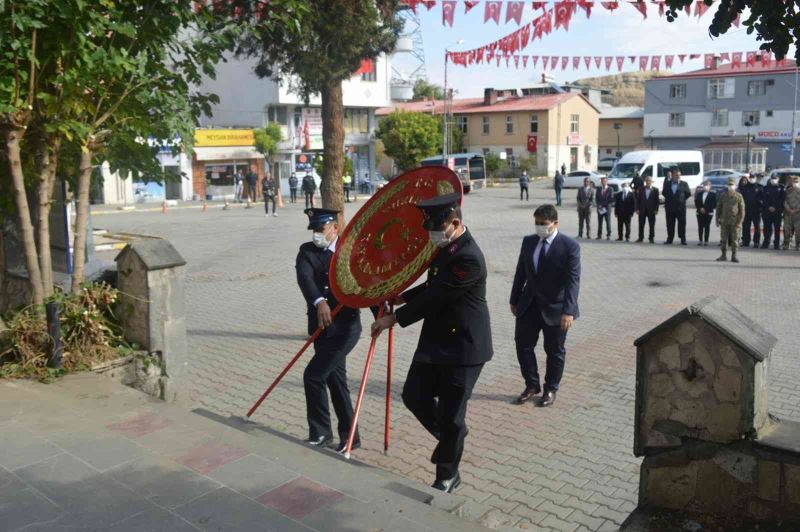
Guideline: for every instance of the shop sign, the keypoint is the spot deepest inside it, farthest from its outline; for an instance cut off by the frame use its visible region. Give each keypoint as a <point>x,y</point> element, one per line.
<point>223,137</point>
<point>305,162</point>
<point>776,135</point>
<point>574,139</point>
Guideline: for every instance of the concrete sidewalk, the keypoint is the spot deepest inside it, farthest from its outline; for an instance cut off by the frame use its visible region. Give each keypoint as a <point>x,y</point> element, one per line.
<point>86,453</point>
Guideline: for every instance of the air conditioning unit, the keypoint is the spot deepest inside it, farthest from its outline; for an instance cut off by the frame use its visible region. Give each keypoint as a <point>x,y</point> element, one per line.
<point>770,82</point>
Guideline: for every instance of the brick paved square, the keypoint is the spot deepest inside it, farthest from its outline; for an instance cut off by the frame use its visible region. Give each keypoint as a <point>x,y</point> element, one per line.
<point>246,319</point>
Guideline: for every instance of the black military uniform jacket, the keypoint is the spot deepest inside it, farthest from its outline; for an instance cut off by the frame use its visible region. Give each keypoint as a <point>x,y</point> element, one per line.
<point>773,196</point>
<point>456,328</point>
<point>312,266</point>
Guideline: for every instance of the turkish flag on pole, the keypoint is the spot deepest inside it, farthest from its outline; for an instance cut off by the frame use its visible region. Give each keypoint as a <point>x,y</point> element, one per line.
<point>641,6</point>
<point>492,11</point>
<point>587,61</point>
<point>564,12</point>
<point>576,63</point>
<point>448,10</point>
<point>609,60</point>
<point>668,61</point>
<point>469,4</point>
<point>620,62</point>
<point>736,59</point>
<point>643,62</point>
<point>655,62</point>
<point>514,11</point>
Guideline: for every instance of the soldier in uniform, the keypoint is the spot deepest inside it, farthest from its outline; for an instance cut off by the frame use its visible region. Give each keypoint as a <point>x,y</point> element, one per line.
<point>791,213</point>
<point>456,338</point>
<point>752,193</point>
<point>730,214</point>
<point>772,213</point>
<point>327,370</point>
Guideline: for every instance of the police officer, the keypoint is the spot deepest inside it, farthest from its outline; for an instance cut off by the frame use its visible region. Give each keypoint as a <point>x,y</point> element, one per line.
<point>791,214</point>
<point>327,370</point>
<point>772,211</point>
<point>293,188</point>
<point>752,193</point>
<point>456,338</point>
<point>523,186</point>
<point>730,213</point>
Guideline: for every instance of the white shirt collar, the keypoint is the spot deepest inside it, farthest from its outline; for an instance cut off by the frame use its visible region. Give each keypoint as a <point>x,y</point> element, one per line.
<point>332,246</point>
<point>550,238</point>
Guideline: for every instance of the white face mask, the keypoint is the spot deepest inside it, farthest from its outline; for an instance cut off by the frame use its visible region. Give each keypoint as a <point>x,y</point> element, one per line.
<point>320,240</point>
<point>751,179</point>
<point>732,188</point>
<point>440,238</point>
<point>773,181</point>
<point>544,231</point>
<point>707,188</point>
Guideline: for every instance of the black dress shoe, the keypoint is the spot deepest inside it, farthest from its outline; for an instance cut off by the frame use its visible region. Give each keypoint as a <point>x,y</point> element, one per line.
<point>683,242</point>
<point>320,441</point>
<point>639,240</point>
<point>343,445</point>
<point>527,395</point>
<point>619,240</point>
<point>547,399</point>
<point>449,485</point>
<point>667,242</point>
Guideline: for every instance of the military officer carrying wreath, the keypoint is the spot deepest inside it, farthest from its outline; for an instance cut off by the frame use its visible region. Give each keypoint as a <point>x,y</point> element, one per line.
<point>730,214</point>
<point>456,338</point>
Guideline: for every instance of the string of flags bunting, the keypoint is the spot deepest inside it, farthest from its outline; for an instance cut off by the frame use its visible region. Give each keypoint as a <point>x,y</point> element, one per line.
<point>576,62</point>
<point>493,10</point>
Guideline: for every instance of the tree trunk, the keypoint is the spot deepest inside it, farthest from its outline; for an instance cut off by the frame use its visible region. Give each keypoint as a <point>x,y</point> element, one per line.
<point>81,220</point>
<point>331,188</point>
<point>13,135</point>
<point>47,179</point>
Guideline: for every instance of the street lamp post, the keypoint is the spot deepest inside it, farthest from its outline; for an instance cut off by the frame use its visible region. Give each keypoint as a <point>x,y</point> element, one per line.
<point>650,134</point>
<point>445,110</point>
<point>747,125</point>
<point>794,114</point>
<point>617,127</point>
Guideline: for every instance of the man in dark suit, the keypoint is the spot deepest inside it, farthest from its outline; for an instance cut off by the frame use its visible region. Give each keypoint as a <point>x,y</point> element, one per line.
<point>637,183</point>
<point>456,338</point>
<point>624,206</point>
<point>544,298</point>
<point>676,192</point>
<point>705,201</point>
<point>773,198</point>
<point>585,201</point>
<point>327,367</point>
<point>604,197</point>
<point>647,209</point>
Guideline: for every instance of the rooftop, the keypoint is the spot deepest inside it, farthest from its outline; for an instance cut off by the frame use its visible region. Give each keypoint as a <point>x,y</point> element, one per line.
<point>477,105</point>
<point>783,67</point>
<point>621,112</point>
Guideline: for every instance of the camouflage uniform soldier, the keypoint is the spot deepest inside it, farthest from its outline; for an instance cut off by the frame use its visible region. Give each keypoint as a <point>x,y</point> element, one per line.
<point>791,213</point>
<point>730,214</point>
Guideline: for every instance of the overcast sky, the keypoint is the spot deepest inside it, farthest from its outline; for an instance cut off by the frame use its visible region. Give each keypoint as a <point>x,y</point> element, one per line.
<point>622,32</point>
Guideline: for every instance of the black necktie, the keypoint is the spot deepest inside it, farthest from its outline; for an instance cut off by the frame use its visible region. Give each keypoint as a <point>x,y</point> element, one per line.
<point>541,255</point>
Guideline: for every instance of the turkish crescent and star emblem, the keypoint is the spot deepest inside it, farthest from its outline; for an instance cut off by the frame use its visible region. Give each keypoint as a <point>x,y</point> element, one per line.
<point>384,248</point>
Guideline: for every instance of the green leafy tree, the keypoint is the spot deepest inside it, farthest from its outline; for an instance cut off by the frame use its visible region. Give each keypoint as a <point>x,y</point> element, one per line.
<point>267,141</point>
<point>774,22</point>
<point>319,165</point>
<point>409,137</point>
<point>324,47</point>
<point>494,163</point>
<point>424,90</point>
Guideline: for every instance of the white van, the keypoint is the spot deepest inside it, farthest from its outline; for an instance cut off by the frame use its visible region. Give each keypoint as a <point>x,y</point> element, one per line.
<point>656,163</point>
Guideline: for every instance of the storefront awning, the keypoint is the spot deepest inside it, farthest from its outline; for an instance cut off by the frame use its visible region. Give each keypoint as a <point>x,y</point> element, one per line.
<point>227,153</point>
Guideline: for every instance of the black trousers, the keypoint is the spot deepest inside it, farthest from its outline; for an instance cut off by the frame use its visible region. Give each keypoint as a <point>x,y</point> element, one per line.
<point>585,217</point>
<point>293,195</point>
<point>523,188</point>
<point>526,336</point>
<point>309,199</point>
<point>752,221</point>
<point>624,223</point>
<point>267,199</point>
<point>704,226</point>
<point>651,222</point>
<point>677,215</point>
<point>437,395</point>
<point>327,371</point>
<point>600,218</point>
<point>347,193</point>
<point>772,223</point>
<point>251,192</point>
<point>558,197</point>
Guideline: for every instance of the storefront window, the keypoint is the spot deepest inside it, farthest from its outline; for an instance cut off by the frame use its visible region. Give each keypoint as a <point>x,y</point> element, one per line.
<point>221,175</point>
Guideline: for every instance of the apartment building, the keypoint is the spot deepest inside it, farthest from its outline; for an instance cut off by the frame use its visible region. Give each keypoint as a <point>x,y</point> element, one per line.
<point>726,112</point>
<point>621,130</point>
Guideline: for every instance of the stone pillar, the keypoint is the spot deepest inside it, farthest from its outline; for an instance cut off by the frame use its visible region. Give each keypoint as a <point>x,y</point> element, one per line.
<point>150,280</point>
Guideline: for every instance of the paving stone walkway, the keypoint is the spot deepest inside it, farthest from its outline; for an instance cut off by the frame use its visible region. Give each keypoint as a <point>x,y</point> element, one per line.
<point>570,467</point>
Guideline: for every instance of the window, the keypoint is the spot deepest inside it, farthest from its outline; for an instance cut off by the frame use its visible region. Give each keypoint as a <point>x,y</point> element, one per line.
<point>534,123</point>
<point>721,88</point>
<point>277,114</point>
<point>677,119</point>
<point>509,124</point>
<point>719,118</point>
<point>757,87</point>
<point>356,121</point>
<point>754,117</point>
<point>685,168</point>
<point>647,172</point>
<point>574,124</point>
<point>677,90</point>
<point>369,71</point>
<point>485,125</point>
<point>461,124</point>
<point>769,114</point>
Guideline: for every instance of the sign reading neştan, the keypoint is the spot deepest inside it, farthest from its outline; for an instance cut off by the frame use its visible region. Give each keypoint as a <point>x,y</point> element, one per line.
<point>384,248</point>
<point>223,137</point>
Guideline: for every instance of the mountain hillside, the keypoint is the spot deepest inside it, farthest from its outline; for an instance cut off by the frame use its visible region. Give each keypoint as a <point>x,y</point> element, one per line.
<point>627,88</point>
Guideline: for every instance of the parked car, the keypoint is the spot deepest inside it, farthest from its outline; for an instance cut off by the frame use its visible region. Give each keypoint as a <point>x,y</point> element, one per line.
<point>723,172</point>
<point>782,173</point>
<point>606,164</point>
<point>719,183</point>
<point>575,179</point>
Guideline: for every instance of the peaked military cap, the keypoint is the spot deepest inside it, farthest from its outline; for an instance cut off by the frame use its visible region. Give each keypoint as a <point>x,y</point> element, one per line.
<point>731,181</point>
<point>319,217</point>
<point>436,210</point>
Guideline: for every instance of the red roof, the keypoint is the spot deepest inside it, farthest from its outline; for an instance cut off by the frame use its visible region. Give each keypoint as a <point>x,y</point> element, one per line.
<point>743,70</point>
<point>476,105</point>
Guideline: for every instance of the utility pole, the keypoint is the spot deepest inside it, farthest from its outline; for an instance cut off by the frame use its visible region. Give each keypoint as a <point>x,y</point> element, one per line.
<point>794,115</point>
<point>747,125</point>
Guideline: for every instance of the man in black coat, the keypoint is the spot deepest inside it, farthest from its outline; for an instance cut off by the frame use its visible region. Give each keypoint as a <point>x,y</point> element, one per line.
<point>705,201</point>
<point>624,206</point>
<point>637,182</point>
<point>773,198</point>
<point>647,208</point>
<point>456,338</point>
<point>252,180</point>
<point>604,197</point>
<point>752,193</point>
<point>544,298</point>
<point>309,187</point>
<point>676,192</point>
<point>327,370</point>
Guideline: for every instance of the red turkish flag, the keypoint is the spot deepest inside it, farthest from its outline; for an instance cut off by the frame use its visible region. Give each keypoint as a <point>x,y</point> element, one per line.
<point>682,57</point>
<point>700,9</point>
<point>736,59</point>
<point>632,58</point>
<point>498,60</point>
<point>641,6</point>
<point>643,62</point>
<point>514,11</point>
<point>597,61</point>
<point>668,61</point>
<point>576,63</point>
<point>538,5</point>
<point>588,62</point>
<point>709,61</point>
<point>725,56</point>
<point>751,58</point>
<point>516,61</point>
<point>694,56</point>
<point>492,11</point>
<point>525,36</point>
<point>737,20</point>
<point>609,60</point>
<point>548,21</point>
<point>620,62</point>
<point>448,10</point>
<point>508,59</point>
<point>661,6</point>
<point>524,61</point>
<point>766,58</point>
<point>655,62</point>
<point>532,142</point>
<point>429,4</point>
<point>413,4</point>
<point>587,6</point>
<point>564,62</point>
<point>469,4</point>
<point>689,9</point>
<point>611,6</point>
<point>534,59</point>
<point>479,54</point>
<point>564,12</point>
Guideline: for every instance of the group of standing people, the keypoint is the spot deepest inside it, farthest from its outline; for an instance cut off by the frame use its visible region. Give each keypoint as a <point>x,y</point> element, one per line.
<point>239,179</point>
<point>308,186</point>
